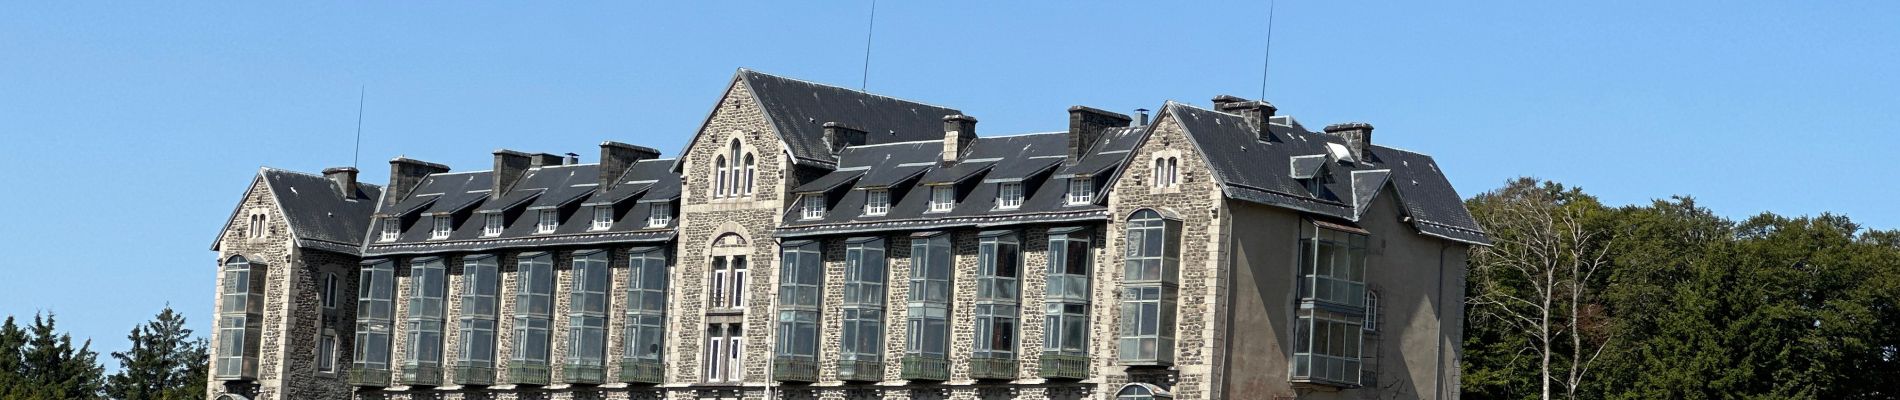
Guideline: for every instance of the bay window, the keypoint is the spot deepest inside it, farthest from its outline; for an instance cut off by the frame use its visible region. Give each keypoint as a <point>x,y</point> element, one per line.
<point>534,309</point>
<point>1152,258</point>
<point>587,318</point>
<point>998,261</point>
<point>801,277</point>
<point>928,319</point>
<point>240,317</point>
<point>374,314</point>
<point>1334,306</point>
<point>645,332</point>
<point>428,284</point>
<point>1066,305</point>
<point>862,340</point>
<point>475,349</point>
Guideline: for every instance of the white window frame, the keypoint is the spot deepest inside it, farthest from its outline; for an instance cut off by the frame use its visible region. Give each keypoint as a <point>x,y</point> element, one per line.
<point>659,215</point>
<point>814,206</point>
<point>492,224</point>
<point>392,229</point>
<point>442,226</point>
<point>1081,191</point>
<point>547,220</point>
<point>327,294</point>
<point>721,174</point>
<point>326,352</point>
<point>943,198</point>
<point>603,217</point>
<point>1009,195</point>
<point>725,353</point>
<point>877,202</point>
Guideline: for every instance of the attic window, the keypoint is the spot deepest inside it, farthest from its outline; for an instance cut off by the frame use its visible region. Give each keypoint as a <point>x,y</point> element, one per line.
<point>942,198</point>
<point>814,206</point>
<point>1316,185</point>
<point>491,224</point>
<point>1081,190</point>
<point>443,225</point>
<point>661,215</point>
<point>877,202</point>
<point>549,219</point>
<point>603,217</point>
<point>392,228</point>
<point>1009,195</point>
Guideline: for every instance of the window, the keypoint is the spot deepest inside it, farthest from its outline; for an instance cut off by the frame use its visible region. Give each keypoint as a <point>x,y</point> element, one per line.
<point>443,226</point>
<point>1141,391</point>
<point>719,182</point>
<point>929,300</point>
<point>877,202</point>
<point>1009,195</point>
<point>534,306</point>
<point>375,312</point>
<point>814,206</point>
<point>863,336</point>
<point>998,261</point>
<point>327,295</point>
<point>392,228</point>
<point>943,198</point>
<point>1167,172</point>
<point>603,217</point>
<point>240,310</point>
<point>660,215</point>
<point>491,224</point>
<point>751,170</point>
<point>1174,171</point>
<point>646,305</point>
<point>481,285</point>
<point>801,277</point>
<point>1335,307</point>
<point>725,353</point>
<point>729,272</point>
<point>1081,190</point>
<point>1372,311</point>
<point>1148,296</point>
<point>326,353</point>
<point>259,225</point>
<point>428,284</point>
<point>1066,308</point>
<point>550,218</point>
<point>587,310</point>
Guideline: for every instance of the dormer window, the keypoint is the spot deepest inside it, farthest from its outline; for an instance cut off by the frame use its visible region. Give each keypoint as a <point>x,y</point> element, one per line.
<point>814,206</point>
<point>491,224</point>
<point>1009,195</point>
<point>443,226</point>
<point>550,219</point>
<point>1316,185</point>
<point>661,215</point>
<point>1081,190</point>
<point>603,217</point>
<point>877,202</point>
<point>943,198</point>
<point>392,228</point>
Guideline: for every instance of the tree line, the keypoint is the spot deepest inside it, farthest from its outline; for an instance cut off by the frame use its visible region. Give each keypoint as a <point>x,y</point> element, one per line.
<point>1578,300</point>
<point>38,362</point>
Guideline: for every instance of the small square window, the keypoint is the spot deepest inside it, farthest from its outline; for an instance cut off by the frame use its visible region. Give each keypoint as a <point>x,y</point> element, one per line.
<point>1009,195</point>
<point>549,219</point>
<point>661,215</point>
<point>814,206</point>
<point>1081,190</point>
<point>942,198</point>
<point>392,228</point>
<point>603,217</point>
<point>443,226</point>
<point>877,202</point>
<point>491,224</point>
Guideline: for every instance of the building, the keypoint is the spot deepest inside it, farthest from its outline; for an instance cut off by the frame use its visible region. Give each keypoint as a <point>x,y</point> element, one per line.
<point>816,242</point>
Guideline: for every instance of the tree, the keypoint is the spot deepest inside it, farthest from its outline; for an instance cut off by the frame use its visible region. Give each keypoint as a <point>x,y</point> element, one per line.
<point>164,362</point>
<point>1535,289</point>
<point>51,368</point>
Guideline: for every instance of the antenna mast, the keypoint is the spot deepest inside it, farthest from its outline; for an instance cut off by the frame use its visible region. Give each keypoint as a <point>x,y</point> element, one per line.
<point>357,150</point>
<point>1268,58</point>
<point>864,81</point>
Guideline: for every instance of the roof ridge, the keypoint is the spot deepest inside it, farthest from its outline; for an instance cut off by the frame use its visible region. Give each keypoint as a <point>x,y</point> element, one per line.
<point>1022,134</point>
<point>262,169</point>
<point>865,92</point>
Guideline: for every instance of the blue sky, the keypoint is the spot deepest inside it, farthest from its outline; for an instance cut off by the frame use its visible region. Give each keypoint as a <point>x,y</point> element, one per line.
<point>129,131</point>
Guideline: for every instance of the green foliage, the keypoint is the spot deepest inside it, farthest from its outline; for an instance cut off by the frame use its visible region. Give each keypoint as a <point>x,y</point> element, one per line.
<point>163,363</point>
<point>1695,306</point>
<point>41,363</point>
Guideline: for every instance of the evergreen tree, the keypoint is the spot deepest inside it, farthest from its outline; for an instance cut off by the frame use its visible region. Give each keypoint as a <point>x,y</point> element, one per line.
<point>12,346</point>
<point>51,368</point>
<point>164,362</point>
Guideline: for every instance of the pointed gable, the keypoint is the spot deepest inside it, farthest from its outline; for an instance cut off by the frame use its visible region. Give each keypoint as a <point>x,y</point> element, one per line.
<point>799,110</point>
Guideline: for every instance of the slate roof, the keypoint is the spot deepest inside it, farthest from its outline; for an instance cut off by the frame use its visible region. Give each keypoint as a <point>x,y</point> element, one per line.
<point>909,168</point>
<point>571,189</point>
<point>1264,172</point>
<point>319,216</point>
<point>799,109</point>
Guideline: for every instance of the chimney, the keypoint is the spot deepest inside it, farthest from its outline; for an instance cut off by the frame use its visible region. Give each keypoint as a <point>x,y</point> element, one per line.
<point>616,158</point>
<point>1258,113</point>
<point>544,160</point>
<point>345,179</point>
<point>1141,117</point>
<point>1085,128</point>
<point>510,165</point>
<point>573,158</point>
<point>1358,136</point>
<point>958,131</point>
<point>404,174</point>
<point>840,136</point>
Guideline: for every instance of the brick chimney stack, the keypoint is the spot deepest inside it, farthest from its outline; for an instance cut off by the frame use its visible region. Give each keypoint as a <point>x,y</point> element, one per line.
<point>404,174</point>
<point>1258,112</point>
<point>839,136</point>
<point>1086,125</point>
<point>616,158</point>
<point>510,165</point>
<point>1358,136</point>
<point>345,179</point>
<point>958,131</point>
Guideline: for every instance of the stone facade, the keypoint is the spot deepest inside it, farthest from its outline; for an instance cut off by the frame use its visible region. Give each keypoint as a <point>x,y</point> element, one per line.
<point>1230,252</point>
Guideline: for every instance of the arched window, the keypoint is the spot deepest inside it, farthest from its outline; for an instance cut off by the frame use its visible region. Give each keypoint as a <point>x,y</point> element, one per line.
<point>1152,258</point>
<point>1174,171</point>
<point>751,170</point>
<point>733,154</point>
<point>239,319</point>
<point>1160,172</point>
<point>719,179</point>
<point>1142,391</point>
